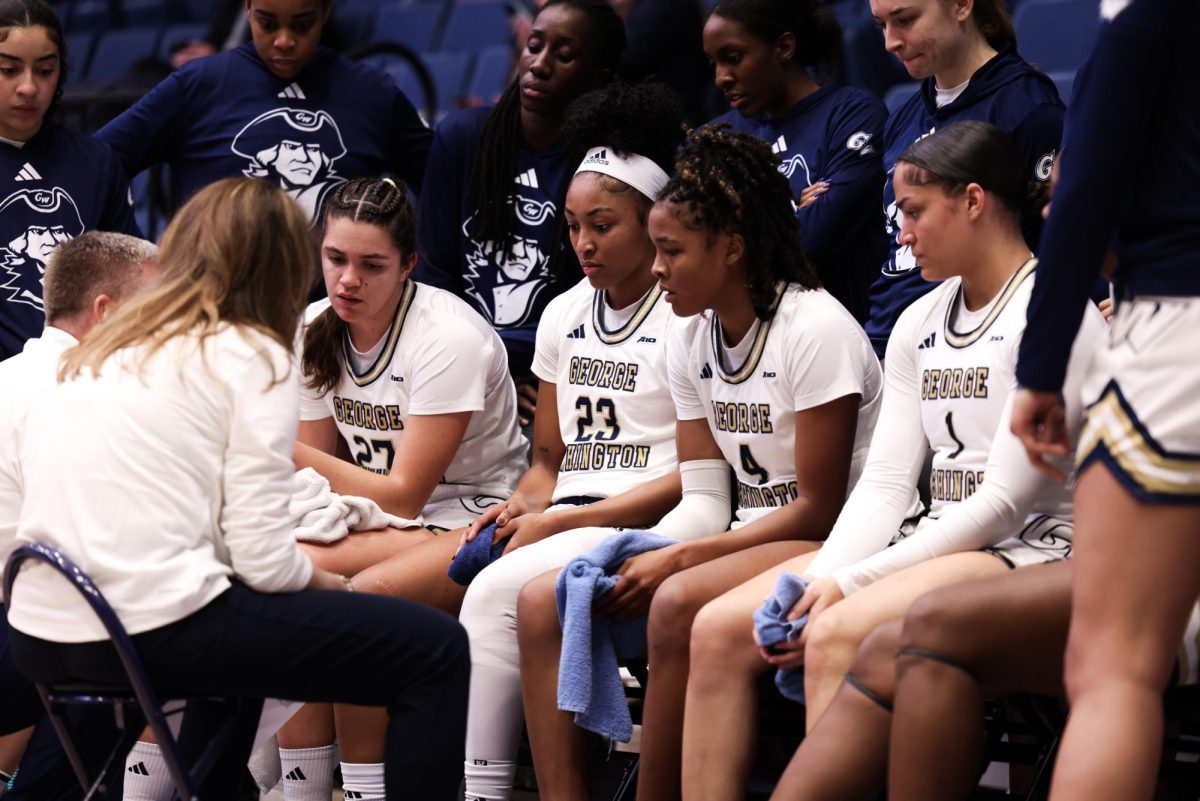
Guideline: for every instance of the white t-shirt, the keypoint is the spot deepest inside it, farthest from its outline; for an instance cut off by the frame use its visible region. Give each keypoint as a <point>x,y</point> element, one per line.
<point>609,368</point>
<point>24,378</point>
<point>438,357</point>
<point>810,353</point>
<point>162,477</point>
<point>949,380</point>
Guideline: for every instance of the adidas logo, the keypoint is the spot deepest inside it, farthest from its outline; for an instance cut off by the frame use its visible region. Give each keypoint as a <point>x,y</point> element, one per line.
<point>780,145</point>
<point>139,769</point>
<point>292,92</point>
<point>928,343</point>
<point>706,371</point>
<point>351,794</point>
<point>296,775</point>
<point>28,173</point>
<point>577,333</point>
<point>528,178</point>
<point>599,157</point>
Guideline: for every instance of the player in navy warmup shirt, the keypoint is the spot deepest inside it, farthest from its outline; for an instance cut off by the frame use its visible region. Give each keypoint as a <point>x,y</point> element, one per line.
<point>966,54</point>
<point>829,138</point>
<point>279,107</point>
<point>488,226</point>
<point>54,183</point>
<point>1137,568</point>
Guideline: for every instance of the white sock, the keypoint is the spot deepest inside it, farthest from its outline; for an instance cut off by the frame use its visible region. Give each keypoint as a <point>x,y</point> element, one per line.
<point>362,781</point>
<point>307,773</point>
<point>489,780</point>
<point>146,774</point>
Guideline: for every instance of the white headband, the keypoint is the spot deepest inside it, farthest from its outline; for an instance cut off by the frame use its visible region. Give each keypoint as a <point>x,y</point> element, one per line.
<point>638,171</point>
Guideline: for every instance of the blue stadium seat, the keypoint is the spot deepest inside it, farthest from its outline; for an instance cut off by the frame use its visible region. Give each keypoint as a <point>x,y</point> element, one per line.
<point>180,34</point>
<point>476,24</point>
<point>1056,35</point>
<point>79,54</point>
<point>199,10</point>
<point>898,94</point>
<point>449,71</point>
<point>117,51</point>
<point>63,9</point>
<point>1065,81</point>
<point>491,75</point>
<point>414,26</point>
<point>150,12</point>
<point>91,15</point>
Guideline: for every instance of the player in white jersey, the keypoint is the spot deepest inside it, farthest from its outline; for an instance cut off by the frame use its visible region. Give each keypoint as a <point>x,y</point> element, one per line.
<point>950,365</point>
<point>775,379</point>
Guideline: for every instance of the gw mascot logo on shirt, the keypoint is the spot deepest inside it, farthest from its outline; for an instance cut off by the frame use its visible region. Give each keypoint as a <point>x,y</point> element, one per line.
<point>520,278</point>
<point>45,218</point>
<point>298,149</point>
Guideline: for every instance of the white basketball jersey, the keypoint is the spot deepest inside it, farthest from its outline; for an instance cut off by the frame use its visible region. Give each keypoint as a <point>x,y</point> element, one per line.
<point>614,400</point>
<point>966,368</point>
<point>809,353</point>
<point>438,357</point>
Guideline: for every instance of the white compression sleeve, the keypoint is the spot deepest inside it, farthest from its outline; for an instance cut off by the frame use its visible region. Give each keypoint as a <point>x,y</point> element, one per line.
<point>704,507</point>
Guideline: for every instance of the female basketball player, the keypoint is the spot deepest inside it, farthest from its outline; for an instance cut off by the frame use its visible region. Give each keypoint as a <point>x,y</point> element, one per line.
<point>279,107</point>
<point>604,443</point>
<point>1138,490</point>
<point>56,183</point>
<point>829,138</point>
<point>774,377</point>
<point>964,52</point>
<point>490,219</point>
<point>949,372</point>
<point>177,416</point>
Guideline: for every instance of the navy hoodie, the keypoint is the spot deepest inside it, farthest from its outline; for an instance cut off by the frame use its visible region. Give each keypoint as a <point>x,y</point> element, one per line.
<point>833,135</point>
<point>1007,92</point>
<point>228,115</point>
<point>57,186</point>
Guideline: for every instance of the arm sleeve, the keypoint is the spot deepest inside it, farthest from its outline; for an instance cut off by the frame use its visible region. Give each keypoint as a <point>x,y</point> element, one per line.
<point>148,132</point>
<point>410,141</point>
<point>1126,71</point>
<point>257,480</point>
<point>883,496</point>
<point>688,405</point>
<point>439,243</point>
<point>704,506</point>
<point>450,370</point>
<point>855,174</point>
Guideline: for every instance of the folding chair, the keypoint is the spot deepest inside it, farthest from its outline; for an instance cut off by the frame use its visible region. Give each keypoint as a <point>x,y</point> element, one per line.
<point>137,694</point>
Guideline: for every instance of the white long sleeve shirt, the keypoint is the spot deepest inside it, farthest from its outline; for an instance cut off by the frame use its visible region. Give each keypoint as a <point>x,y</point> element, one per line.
<point>162,483</point>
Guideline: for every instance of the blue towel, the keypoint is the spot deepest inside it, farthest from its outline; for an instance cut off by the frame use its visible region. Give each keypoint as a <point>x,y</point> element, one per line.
<point>772,626</point>
<point>589,681</point>
<point>476,555</point>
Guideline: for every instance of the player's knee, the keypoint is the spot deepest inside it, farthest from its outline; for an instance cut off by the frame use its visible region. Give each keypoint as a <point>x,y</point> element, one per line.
<point>537,611</point>
<point>875,660</point>
<point>931,624</point>
<point>831,643</point>
<point>672,612</point>
<point>721,639</point>
<point>490,604</point>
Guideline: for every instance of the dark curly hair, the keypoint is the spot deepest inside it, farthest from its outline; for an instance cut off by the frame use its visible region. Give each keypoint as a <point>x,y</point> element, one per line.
<point>817,31</point>
<point>496,156</point>
<point>382,202</point>
<point>33,14</point>
<point>731,181</point>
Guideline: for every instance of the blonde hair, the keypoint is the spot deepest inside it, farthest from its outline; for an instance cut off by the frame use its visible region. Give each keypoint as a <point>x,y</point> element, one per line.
<point>240,252</point>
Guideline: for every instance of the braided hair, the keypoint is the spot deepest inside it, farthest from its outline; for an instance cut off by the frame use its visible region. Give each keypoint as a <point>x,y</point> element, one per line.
<point>375,201</point>
<point>731,181</point>
<point>496,156</point>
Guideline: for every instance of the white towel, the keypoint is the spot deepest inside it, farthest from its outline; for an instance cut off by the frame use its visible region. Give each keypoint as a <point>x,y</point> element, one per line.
<point>321,515</point>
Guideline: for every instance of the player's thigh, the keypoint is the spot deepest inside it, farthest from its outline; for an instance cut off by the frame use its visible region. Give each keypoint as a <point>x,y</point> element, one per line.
<point>362,549</point>
<point>730,612</point>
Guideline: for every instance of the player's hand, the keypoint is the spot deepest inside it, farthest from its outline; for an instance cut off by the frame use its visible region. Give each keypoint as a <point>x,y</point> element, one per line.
<point>637,581</point>
<point>528,529</point>
<point>1106,309</point>
<point>821,594</point>
<point>783,655</point>
<point>811,192</point>
<point>500,514</point>
<point>1040,422</point>
<point>526,399</point>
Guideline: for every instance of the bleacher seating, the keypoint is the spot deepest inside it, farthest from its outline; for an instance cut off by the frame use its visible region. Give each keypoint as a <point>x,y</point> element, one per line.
<point>415,26</point>
<point>475,24</point>
<point>1056,35</point>
<point>79,54</point>
<point>119,50</point>
<point>491,74</point>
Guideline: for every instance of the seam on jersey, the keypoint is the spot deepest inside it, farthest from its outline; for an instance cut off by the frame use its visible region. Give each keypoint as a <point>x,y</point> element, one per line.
<point>624,332</point>
<point>962,340</point>
<point>747,368</point>
<point>384,359</point>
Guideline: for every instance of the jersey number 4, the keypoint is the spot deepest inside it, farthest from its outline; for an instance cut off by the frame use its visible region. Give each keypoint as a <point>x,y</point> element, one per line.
<point>588,414</point>
<point>752,467</point>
